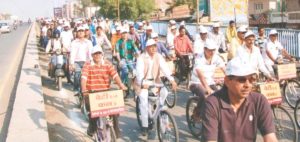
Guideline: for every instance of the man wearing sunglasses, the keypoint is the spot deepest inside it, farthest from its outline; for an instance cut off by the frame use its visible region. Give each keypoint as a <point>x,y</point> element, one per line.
<point>234,113</point>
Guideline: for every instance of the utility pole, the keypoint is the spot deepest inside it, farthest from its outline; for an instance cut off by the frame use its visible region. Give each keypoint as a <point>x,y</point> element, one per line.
<point>197,10</point>
<point>118,9</point>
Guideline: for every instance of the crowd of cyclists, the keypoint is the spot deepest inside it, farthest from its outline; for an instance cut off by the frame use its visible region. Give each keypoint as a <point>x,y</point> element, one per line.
<point>135,48</point>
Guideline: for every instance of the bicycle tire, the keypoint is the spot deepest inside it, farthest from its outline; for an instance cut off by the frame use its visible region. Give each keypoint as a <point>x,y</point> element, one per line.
<point>283,133</point>
<point>138,112</point>
<point>171,97</point>
<point>291,97</point>
<point>297,113</point>
<point>111,134</point>
<point>159,126</point>
<point>190,106</point>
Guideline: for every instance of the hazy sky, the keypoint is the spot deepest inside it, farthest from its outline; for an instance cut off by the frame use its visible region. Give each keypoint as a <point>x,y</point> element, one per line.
<point>29,8</point>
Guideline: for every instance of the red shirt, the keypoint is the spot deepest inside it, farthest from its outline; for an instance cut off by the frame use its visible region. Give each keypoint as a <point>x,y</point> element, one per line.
<point>98,76</point>
<point>183,45</point>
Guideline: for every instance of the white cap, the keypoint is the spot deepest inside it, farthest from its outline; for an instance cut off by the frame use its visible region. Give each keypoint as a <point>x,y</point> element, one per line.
<point>154,35</point>
<point>216,25</point>
<point>150,42</point>
<point>202,30</point>
<point>86,27</point>
<point>173,27</point>
<point>118,28</point>
<point>182,23</point>
<point>210,44</point>
<point>172,22</point>
<point>80,28</point>
<point>106,19</point>
<point>249,33</point>
<point>66,25</point>
<point>96,49</point>
<point>273,32</point>
<point>242,29</point>
<point>124,30</point>
<point>149,27</point>
<point>130,23</point>
<point>140,24</point>
<point>239,67</point>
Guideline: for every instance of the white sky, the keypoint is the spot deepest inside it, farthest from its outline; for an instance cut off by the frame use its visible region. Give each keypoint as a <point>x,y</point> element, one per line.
<point>30,8</point>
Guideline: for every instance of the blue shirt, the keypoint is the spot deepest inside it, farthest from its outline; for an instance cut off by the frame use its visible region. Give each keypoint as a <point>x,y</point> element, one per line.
<point>161,48</point>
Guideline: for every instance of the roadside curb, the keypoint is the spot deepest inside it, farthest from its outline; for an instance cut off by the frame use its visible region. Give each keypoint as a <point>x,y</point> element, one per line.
<point>28,121</point>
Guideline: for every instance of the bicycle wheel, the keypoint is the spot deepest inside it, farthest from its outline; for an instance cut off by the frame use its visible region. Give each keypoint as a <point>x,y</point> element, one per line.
<point>172,96</point>
<point>107,135</point>
<point>194,126</point>
<point>297,113</point>
<point>291,92</point>
<point>285,126</point>
<point>166,127</point>
<point>138,112</point>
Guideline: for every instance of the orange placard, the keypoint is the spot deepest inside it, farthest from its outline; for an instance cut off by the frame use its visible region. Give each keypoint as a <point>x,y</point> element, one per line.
<point>286,71</point>
<point>219,74</point>
<point>106,103</point>
<point>272,92</point>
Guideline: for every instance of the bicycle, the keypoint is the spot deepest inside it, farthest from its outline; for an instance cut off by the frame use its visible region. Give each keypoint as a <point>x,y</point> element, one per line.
<point>130,79</point>
<point>159,115</point>
<point>104,129</point>
<point>180,76</point>
<point>284,131</point>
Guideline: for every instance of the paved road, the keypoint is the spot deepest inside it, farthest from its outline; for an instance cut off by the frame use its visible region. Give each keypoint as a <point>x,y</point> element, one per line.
<point>11,49</point>
<point>66,122</point>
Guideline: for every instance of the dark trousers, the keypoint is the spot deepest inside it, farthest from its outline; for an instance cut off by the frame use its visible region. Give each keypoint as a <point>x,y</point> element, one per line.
<point>200,92</point>
<point>183,64</point>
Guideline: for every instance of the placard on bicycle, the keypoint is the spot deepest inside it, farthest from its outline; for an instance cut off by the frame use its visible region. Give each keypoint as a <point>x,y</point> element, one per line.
<point>286,71</point>
<point>271,91</point>
<point>106,103</point>
<point>219,74</point>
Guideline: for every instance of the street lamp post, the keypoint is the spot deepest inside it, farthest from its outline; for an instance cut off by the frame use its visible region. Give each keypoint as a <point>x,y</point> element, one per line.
<point>118,9</point>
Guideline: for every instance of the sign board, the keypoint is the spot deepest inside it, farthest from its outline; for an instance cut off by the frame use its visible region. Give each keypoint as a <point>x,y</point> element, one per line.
<point>235,9</point>
<point>58,12</point>
<point>272,92</point>
<point>219,74</point>
<point>286,71</point>
<point>106,103</point>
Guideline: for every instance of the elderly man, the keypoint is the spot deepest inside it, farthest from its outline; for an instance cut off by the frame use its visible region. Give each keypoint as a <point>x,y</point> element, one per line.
<point>161,49</point>
<point>148,67</point>
<point>234,113</point>
<point>145,37</point>
<point>250,53</point>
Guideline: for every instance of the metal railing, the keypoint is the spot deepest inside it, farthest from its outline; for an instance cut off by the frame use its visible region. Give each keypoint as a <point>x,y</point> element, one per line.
<point>289,38</point>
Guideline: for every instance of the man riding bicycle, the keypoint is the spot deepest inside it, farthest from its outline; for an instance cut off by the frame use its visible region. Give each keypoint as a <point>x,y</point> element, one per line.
<point>79,54</point>
<point>96,75</point>
<point>126,50</point>
<point>149,65</point>
<point>183,47</point>
<point>202,80</point>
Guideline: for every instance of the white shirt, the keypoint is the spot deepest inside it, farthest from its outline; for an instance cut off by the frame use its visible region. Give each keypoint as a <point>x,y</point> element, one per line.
<point>80,50</point>
<point>254,58</point>
<point>44,31</point>
<point>54,44</point>
<point>274,48</point>
<point>140,68</point>
<point>207,69</point>
<point>66,39</point>
<point>100,40</point>
<point>170,41</point>
<point>219,39</point>
<point>199,46</point>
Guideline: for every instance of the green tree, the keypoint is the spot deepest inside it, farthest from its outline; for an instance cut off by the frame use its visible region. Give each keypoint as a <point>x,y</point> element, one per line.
<point>129,9</point>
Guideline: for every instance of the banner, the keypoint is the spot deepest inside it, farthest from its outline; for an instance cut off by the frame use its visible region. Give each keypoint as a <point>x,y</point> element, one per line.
<point>106,103</point>
<point>226,10</point>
